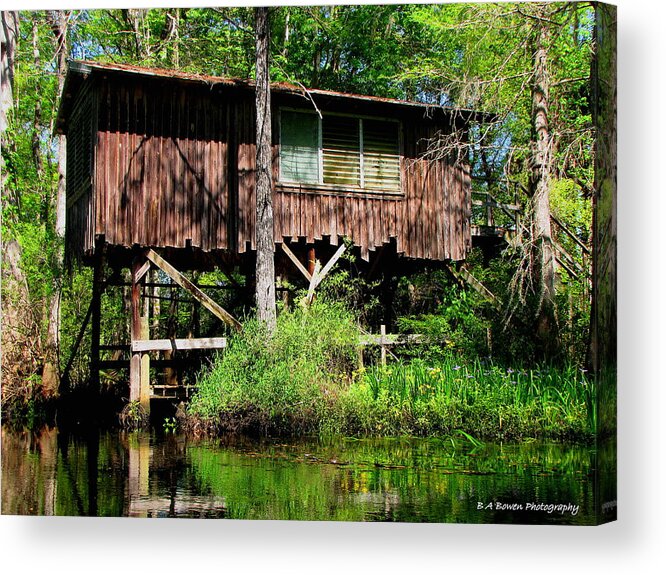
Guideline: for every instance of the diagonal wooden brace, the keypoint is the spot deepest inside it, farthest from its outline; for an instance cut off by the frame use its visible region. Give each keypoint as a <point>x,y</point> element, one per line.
<point>186,284</point>
<point>296,262</point>
<point>319,274</point>
<point>329,266</point>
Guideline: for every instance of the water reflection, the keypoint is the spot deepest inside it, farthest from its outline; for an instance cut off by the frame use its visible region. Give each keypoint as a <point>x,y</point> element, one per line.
<point>54,472</point>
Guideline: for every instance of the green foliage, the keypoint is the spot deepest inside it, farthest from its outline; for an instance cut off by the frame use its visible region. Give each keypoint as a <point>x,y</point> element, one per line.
<point>481,56</point>
<point>133,417</point>
<point>352,290</point>
<point>346,48</point>
<point>75,298</point>
<point>211,41</point>
<point>455,324</point>
<point>569,206</point>
<point>480,399</point>
<point>278,383</point>
<point>302,380</point>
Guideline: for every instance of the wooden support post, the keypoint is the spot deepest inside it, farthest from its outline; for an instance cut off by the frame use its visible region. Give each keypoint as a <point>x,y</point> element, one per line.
<point>135,330</point>
<point>313,283</point>
<point>382,345</point>
<point>170,373</point>
<point>312,258</point>
<point>156,305</point>
<point>96,319</point>
<point>144,386</point>
<point>319,274</point>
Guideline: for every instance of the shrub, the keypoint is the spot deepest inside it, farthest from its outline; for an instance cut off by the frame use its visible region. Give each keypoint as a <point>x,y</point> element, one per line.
<point>268,384</point>
<point>303,379</point>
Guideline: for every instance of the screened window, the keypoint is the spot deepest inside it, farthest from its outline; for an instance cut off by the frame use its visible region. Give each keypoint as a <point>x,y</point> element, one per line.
<point>299,147</point>
<point>344,151</point>
<point>381,154</point>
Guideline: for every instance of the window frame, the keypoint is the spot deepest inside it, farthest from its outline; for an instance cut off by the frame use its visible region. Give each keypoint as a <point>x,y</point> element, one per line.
<point>320,185</point>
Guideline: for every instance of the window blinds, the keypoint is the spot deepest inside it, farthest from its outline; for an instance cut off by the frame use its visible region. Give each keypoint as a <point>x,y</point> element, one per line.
<point>341,151</point>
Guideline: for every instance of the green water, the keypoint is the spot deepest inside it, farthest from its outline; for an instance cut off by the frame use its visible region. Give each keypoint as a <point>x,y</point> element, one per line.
<point>53,472</point>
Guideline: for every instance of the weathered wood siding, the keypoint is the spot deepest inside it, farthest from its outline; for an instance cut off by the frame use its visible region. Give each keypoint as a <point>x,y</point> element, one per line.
<point>161,172</point>
<point>79,231</point>
<point>172,165</point>
<point>430,220</point>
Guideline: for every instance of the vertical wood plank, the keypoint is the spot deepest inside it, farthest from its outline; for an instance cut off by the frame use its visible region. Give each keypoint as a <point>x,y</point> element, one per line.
<point>144,385</point>
<point>208,205</point>
<point>96,319</point>
<point>135,331</point>
<point>216,173</point>
<point>382,345</point>
<point>317,224</point>
<point>333,220</point>
<point>310,213</point>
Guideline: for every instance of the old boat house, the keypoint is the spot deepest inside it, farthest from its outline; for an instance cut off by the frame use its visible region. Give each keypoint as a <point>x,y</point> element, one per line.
<point>160,172</point>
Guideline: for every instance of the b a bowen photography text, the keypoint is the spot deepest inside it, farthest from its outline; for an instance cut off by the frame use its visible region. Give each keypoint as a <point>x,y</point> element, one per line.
<point>561,508</point>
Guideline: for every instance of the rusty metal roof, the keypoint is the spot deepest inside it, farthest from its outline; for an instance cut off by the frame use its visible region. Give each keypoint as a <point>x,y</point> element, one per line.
<point>83,68</point>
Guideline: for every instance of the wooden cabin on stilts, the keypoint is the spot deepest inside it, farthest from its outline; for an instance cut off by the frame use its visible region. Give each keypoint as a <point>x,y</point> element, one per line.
<point>160,181</point>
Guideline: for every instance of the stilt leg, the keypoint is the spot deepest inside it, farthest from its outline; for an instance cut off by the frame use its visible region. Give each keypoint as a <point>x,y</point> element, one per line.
<point>137,327</point>
<point>96,319</point>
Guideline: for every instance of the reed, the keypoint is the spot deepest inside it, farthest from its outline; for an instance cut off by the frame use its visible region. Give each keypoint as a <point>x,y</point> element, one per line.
<point>489,400</point>
<point>304,379</point>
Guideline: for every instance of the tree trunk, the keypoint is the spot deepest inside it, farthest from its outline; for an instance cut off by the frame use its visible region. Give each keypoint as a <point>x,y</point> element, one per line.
<point>265,269</point>
<point>603,328</point>
<point>134,17</point>
<point>173,26</point>
<point>542,166</point>
<point>58,20</point>
<point>51,372</point>
<point>8,32</point>
<point>37,118</point>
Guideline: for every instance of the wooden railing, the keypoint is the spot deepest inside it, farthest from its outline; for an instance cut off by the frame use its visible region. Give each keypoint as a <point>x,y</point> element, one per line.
<point>573,267</point>
<point>488,213</point>
<point>491,207</point>
<point>385,341</point>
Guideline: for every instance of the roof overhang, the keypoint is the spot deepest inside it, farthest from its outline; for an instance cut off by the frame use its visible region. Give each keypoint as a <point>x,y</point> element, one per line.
<point>79,72</point>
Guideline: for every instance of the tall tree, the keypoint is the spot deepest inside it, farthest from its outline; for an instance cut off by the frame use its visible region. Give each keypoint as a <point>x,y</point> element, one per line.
<point>265,268</point>
<point>540,183</point>
<point>529,64</point>
<point>9,30</point>
<point>58,22</point>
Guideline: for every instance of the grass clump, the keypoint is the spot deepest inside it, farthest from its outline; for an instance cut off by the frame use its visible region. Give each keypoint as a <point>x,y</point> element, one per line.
<point>284,383</point>
<point>479,398</point>
<point>305,379</point>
